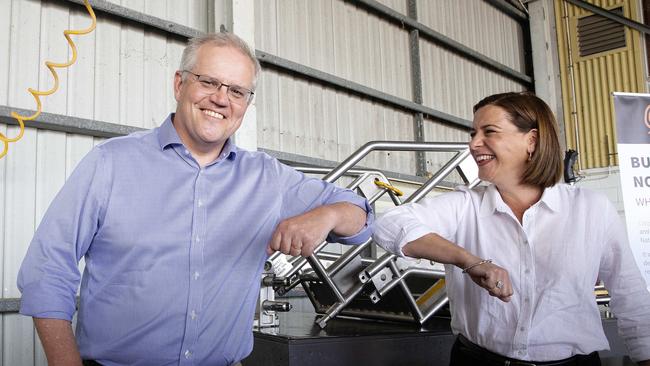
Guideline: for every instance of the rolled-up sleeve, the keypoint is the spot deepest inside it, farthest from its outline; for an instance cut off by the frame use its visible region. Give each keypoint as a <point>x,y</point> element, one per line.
<point>305,193</point>
<point>366,231</point>
<point>408,222</point>
<point>49,276</point>
<point>630,299</point>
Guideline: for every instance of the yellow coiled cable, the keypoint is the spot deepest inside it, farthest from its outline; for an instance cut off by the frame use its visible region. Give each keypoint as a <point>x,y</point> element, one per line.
<point>37,93</point>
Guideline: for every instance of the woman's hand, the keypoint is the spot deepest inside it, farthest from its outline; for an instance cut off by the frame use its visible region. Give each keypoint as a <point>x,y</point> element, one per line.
<point>487,275</point>
<point>492,278</point>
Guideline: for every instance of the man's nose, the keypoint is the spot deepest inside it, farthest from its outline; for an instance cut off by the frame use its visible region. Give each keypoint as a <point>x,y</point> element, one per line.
<point>220,97</point>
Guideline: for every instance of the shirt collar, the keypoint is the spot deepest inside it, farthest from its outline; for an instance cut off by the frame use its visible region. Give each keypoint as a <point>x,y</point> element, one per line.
<point>229,150</point>
<point>167,136</point>
<point>492,200</point>
<point>551,198</point>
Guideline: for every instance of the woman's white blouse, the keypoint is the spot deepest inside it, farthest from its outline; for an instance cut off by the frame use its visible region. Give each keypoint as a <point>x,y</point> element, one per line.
<point>568,240</point>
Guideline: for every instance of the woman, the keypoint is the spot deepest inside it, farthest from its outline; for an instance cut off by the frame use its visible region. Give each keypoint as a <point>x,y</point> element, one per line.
<point>533,249</point>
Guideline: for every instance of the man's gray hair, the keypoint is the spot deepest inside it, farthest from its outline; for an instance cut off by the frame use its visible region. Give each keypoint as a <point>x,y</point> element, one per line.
<point>222,39</point>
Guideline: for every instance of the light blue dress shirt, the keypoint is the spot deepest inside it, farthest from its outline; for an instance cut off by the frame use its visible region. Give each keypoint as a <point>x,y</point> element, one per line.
<point>174,252</point>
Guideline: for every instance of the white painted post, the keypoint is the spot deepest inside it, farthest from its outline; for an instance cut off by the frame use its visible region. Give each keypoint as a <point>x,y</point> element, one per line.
<point>241,22</point>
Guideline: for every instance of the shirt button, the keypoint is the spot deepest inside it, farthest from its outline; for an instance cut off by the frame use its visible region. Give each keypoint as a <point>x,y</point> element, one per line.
<point>196,275</point>
<point>188,354</point>
<point>198,239</point>
<point>193,315</point>
<point>527,299</point>
<point>527,271</point>
<point>187,152</point>
<point>522,329</point>
<point>200,203</point>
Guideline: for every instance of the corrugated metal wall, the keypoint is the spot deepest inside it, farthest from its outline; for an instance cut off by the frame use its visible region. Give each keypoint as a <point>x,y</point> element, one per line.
<point>300,117</point>
<point>454,84</point>
<point>595,77</point>
<point>124,73</point>
<point>297,116</point>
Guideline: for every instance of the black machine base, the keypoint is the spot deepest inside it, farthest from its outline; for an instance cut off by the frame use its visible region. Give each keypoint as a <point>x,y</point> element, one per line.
<point>299,341</point>
<point>351,342</point>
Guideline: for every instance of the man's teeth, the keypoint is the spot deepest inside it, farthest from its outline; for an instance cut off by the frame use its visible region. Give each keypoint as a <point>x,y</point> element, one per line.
<point>484,157</point>
<point>213,114</point>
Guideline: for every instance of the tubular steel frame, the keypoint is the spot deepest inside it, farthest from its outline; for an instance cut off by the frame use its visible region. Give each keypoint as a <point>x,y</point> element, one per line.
<point>347,287</point>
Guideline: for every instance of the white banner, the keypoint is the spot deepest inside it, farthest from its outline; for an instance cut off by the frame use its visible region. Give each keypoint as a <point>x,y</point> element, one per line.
<point>633,134</point>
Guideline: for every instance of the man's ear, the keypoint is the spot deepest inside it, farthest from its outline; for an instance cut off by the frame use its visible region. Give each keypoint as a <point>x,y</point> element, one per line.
<point>178,82</point>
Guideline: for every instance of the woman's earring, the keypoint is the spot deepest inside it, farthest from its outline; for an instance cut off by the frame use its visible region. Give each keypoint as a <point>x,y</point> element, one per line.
<point>530,155</point>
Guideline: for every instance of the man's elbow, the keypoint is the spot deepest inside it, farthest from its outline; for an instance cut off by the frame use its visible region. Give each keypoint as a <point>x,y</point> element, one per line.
<point>360,217</point>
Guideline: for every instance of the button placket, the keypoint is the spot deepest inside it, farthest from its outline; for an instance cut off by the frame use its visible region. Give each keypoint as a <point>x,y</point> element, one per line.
<point>195,267</point>
<point>526,284</point>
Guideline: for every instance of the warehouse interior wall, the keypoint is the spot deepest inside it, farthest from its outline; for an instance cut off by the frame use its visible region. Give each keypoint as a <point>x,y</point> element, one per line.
<point>336,74</point>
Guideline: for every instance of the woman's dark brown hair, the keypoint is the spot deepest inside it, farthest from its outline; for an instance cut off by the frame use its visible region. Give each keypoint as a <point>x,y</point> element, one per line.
<point>527,112</point>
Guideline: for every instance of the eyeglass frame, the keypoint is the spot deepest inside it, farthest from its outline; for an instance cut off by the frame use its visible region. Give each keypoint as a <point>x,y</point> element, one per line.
<point>217,84</point>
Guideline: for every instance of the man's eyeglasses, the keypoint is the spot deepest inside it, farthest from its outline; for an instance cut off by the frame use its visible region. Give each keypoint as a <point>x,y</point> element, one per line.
<point>236,93</point>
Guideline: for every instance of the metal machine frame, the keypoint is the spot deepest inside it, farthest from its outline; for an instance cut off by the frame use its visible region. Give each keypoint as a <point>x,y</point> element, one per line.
<point>387,288</point>
<point>335,289</point>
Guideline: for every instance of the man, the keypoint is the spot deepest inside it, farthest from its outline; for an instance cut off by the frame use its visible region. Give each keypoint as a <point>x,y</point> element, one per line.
<point>175,225</point>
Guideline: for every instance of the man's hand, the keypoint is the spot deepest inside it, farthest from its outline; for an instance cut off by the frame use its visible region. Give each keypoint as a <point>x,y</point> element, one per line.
<point>300,235</point>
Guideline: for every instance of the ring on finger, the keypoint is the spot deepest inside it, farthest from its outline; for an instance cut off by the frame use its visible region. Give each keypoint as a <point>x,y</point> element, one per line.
<point>499,284</point>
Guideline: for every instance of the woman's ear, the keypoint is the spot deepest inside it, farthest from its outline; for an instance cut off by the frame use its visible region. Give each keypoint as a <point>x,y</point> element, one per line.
<point>532,140</point>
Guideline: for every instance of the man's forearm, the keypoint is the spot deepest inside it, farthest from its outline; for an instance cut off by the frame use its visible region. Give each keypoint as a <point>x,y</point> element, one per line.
<point>299,235</point>
<point>58,342</point>
<point>349,218</point>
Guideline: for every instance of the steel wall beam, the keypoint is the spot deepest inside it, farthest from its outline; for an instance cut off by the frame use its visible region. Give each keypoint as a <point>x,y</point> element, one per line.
<point>9,305</point>
<point>416,85</point>
<point>438,38</point>
<point>12,304</point>
<point>611,15</point>
<point>325,78</point>
<point>62,123</point>
<point>102,6</point>
<point>295,159</point>
<point>89,127</point>
<point>509,10</point>
<point>356,88</point>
